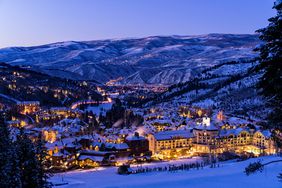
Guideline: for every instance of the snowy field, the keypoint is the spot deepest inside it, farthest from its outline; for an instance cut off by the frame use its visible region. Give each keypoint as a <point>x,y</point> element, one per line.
<point>102,108</point>
<point>229,174</point>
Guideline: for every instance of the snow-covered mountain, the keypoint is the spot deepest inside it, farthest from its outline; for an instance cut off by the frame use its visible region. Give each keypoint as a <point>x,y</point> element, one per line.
<point>151,60</point>
<point>229,86</point>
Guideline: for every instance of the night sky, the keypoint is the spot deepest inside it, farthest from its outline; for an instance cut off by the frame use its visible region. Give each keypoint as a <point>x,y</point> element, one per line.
<point>34,22</point>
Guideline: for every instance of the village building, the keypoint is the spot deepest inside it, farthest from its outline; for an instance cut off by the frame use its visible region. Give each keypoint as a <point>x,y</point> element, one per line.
<point>206,138</point>
<point>171,144</point>
<point>139,146</point>
<point>28,107</point>
<point>55,114</point>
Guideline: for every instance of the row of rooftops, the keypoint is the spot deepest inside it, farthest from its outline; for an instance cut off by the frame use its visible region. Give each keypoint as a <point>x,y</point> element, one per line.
<point>168,135</point>
<point>28,103</point>
<point>206,125</point>
<point>96,140</point>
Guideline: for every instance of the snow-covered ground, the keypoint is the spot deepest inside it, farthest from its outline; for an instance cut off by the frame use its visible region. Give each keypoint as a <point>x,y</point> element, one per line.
<point>102,108</point>
<point>229,174</point>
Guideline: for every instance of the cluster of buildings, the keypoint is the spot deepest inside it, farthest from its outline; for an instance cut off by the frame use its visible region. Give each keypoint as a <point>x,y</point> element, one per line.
<point>166,133</point>
<point>55,114</point>
<point>28,107</point>
<point>207,138</point>
<point>92,151</point>
<point>202,139</point>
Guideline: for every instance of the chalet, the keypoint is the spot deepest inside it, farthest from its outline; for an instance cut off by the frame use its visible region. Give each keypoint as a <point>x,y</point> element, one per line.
<point>90,158</point>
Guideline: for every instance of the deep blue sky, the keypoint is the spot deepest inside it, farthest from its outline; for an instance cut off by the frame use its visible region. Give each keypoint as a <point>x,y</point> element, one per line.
<point>33,22</point>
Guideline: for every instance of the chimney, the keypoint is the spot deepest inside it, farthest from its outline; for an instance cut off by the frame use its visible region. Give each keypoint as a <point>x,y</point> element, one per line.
<point>136,134</point>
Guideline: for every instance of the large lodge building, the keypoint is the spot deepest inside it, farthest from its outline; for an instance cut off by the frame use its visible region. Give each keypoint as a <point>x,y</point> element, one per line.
<point>206,138</point>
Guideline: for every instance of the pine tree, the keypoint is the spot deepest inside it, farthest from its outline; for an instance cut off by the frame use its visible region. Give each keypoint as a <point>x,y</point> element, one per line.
<point>42,162</point>
<point>9,171</point>
<point>271,63</point>
<point>253,168</point>
<point>4,143</point>
<point>31,174</point>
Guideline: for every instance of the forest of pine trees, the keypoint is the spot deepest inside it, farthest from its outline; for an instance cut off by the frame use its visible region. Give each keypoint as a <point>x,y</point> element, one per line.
<point>119,112</point>
<point>22,161</point>
<point>271,63</point>
<point>271,82</point>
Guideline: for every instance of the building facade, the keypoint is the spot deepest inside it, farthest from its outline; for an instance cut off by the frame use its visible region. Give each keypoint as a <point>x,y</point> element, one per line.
<point>171,144</point>
<point>206,138</point>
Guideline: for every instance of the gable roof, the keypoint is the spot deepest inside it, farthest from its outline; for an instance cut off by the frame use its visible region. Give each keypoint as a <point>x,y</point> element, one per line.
<point>169,135</point>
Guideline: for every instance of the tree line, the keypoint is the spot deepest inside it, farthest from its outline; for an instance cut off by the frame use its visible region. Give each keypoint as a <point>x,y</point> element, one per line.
<point>22,163</point>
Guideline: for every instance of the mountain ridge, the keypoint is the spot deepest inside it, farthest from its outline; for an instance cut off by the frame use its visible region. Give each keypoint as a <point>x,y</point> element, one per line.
<point>150,60</point>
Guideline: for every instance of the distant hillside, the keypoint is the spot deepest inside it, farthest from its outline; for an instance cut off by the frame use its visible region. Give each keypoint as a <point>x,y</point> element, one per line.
<point>150,60</point>
<point>229,86</point>
<point>22,85</point>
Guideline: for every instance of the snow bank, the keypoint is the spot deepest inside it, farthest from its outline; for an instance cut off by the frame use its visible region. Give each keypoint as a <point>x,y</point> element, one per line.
<point>229,174</point>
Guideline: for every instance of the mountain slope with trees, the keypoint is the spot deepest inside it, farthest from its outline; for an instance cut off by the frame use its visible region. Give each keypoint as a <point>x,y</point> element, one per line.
<point>28,85</point>
<point>229,86</point>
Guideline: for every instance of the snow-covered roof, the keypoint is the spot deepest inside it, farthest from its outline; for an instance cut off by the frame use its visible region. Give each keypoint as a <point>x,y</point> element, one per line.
<point>51,146</point>
<point>133,137</point>
<point>124,131</point>
<point>117,146</point>
<point>87,137</point>
<point>68,140</point>
<point>168,135</point>
<point>161,121</point>
<point>28,103</point>
<point>13,122</point>
<point>236,121</point>
<point>59,109</point>
<point>204,127</point>
<point>93,152</point>
<point>265,133</point>
<point>91,157</point>
<point>235,132</point>
<point>70,145</point>
<point>58,154</point>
